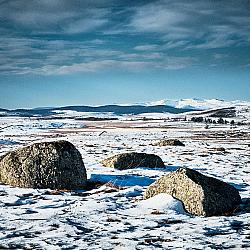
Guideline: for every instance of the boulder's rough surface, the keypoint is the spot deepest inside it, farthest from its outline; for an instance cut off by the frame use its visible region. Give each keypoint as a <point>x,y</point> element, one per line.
<point>169,142</point>
<point>55,165</point>
<point>133,160</point>
<point>200,194</point>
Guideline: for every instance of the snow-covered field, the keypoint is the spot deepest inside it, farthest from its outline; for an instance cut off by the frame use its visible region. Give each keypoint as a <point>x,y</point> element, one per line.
<point>113,215</point>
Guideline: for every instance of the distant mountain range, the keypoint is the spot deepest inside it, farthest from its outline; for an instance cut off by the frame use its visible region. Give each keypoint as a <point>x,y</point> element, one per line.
<point>3,110</point>
<point>115,109</point>
<point>162,106</point>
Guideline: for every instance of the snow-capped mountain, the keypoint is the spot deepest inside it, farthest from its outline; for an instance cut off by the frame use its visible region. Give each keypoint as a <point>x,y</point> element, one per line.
<point>197,103</point>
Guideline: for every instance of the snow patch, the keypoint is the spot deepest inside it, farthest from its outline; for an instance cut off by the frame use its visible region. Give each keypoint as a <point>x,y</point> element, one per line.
<point>163,203</point>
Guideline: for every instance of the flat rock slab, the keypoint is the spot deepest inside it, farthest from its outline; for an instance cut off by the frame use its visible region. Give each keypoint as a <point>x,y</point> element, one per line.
<point>133,160</point>
<point>55,165</point>
<point>200,194</point>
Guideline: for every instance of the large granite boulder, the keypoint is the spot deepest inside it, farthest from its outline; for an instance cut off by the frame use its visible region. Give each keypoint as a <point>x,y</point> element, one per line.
<point>169,142</point>
<point>133,160</point>
<point>200,194</point>
<point>55,165</point>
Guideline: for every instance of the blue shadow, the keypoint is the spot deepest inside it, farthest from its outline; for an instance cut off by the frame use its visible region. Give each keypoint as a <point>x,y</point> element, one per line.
<point>123,180</point>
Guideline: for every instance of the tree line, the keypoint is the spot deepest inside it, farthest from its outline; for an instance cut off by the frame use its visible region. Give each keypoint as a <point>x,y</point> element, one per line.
<point>213,121</point>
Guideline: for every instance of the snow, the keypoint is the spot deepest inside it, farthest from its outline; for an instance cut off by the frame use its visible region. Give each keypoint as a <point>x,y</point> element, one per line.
<point>25,126</point>
<point>73,113</point>
<point>163,203</point>
<point>114,215</point>
<point>202,104</point>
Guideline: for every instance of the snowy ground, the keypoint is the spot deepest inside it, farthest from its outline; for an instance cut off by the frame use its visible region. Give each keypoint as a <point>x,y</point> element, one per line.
<point>113,215</point>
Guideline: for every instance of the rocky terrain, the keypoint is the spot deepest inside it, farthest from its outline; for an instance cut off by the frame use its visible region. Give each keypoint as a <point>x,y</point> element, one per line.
<point>110,213</point>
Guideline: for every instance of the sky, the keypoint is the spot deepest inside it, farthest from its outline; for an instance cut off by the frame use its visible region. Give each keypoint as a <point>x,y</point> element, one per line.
<point>94,52</point>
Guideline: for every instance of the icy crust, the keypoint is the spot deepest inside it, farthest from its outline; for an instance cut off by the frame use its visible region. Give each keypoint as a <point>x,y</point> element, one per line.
<point>114,215</point>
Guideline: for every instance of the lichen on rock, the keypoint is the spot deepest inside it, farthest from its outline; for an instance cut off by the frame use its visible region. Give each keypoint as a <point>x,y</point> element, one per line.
<point>55,165</point>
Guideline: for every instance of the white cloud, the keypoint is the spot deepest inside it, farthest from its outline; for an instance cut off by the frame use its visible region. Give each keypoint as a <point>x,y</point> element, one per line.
<point>93,66</point>
<point>156,18</point>
<point>84,25</point>
<point>170,63</point>
<point>138,37</point>
<point>186,23</point>
<point>175,44</point>
<point>54,16</point>
<point>176,63</point>
<point>146,47</point>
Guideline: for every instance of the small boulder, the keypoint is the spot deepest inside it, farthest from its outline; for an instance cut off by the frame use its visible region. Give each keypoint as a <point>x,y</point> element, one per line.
<point>218,149</point>
<point>133,160</point>
<point>55,165</point>
<point>169,142</point>
<point>1,157</point>
<point>200,194</point>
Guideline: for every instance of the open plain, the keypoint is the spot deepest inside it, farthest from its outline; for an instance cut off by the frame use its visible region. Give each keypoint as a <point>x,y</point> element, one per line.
<point>112,214</point>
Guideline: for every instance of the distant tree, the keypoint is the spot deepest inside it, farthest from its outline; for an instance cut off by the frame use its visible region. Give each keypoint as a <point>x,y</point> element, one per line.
<point>197,119</point>
<point>214,122</point>
<point>220,121</point>
<point>232,122</point>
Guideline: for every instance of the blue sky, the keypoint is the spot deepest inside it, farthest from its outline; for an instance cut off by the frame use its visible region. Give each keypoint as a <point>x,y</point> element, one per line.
<point>93,52</point>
